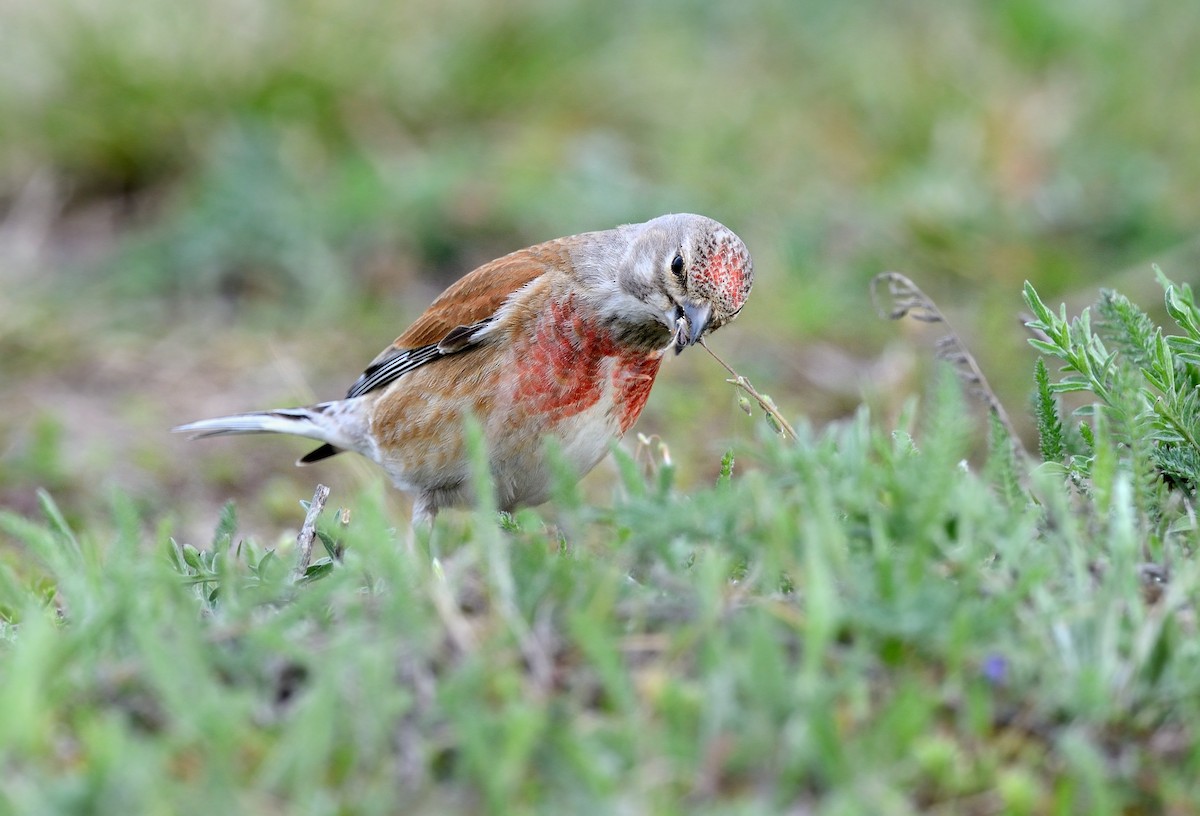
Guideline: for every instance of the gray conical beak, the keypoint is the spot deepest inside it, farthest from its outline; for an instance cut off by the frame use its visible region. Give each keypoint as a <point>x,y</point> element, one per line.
<point>691,319</point>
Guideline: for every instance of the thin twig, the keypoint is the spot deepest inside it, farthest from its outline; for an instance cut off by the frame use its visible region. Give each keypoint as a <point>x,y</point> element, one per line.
<point>308,532</point>
<point>767,404</point>
<point>907,300</point>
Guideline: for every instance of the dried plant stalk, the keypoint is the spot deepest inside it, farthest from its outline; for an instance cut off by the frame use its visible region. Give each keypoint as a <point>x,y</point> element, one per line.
<point>907,300</point>
<point>308,532</point>
<point>768,405</point>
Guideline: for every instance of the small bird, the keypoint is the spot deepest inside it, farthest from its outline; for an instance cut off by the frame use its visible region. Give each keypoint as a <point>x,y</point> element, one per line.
<point>556,342</point>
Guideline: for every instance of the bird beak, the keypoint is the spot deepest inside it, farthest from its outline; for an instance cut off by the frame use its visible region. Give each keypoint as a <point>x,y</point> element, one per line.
<point>690,321</point>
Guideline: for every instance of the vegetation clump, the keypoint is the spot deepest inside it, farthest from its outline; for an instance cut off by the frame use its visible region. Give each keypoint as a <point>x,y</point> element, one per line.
<point>863,622</point>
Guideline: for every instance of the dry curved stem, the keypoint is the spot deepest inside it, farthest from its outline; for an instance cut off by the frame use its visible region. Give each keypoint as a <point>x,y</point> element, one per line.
<point>308,532</point>
<point>907,300</point>
<point>768,405</point>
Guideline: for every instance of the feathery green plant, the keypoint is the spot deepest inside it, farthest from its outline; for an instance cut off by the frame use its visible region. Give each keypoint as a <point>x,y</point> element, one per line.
<point>1144,381</point>
<point>1052,443</point>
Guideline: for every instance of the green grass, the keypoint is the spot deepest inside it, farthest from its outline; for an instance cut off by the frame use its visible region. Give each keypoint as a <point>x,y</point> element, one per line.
<point>865,624</point>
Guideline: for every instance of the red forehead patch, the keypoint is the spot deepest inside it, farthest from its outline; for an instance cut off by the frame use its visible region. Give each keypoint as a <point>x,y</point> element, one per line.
<point>725,273</point>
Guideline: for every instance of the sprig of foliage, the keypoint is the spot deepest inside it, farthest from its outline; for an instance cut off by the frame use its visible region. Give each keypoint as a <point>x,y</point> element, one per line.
<point>1088,363</point>
<point>1142,383</point>
<point>1052,443</point>
<point>1130,330</point>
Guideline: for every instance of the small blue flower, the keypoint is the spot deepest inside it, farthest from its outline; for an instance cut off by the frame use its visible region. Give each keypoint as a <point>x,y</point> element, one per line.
<point>995,669</point>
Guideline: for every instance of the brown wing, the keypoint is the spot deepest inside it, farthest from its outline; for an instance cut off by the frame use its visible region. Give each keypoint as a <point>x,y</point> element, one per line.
<point>478,295</point>
<point>449,324</point>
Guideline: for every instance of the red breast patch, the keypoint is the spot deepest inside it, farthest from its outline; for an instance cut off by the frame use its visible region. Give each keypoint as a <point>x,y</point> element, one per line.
<point>562,371</point>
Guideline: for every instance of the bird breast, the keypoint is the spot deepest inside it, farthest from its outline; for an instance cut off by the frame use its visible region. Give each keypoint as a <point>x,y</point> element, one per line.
<point>568,364</point>
<point>574,387</point>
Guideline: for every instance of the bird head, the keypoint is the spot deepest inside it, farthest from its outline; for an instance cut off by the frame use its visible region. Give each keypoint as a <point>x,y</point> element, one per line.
<point>682,277</point>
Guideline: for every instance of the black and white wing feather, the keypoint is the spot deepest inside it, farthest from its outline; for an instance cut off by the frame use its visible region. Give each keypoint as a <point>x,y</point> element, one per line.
<point>395,363</point>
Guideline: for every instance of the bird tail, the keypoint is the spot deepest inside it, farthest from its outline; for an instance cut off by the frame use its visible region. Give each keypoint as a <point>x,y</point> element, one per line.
<point>326,422</point>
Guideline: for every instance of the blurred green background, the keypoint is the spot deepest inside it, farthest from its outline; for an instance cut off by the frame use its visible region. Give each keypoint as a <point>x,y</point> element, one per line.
<point>222,206</point>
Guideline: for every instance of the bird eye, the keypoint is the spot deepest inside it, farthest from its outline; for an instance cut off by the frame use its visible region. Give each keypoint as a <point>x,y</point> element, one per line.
<point>677,266</point>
